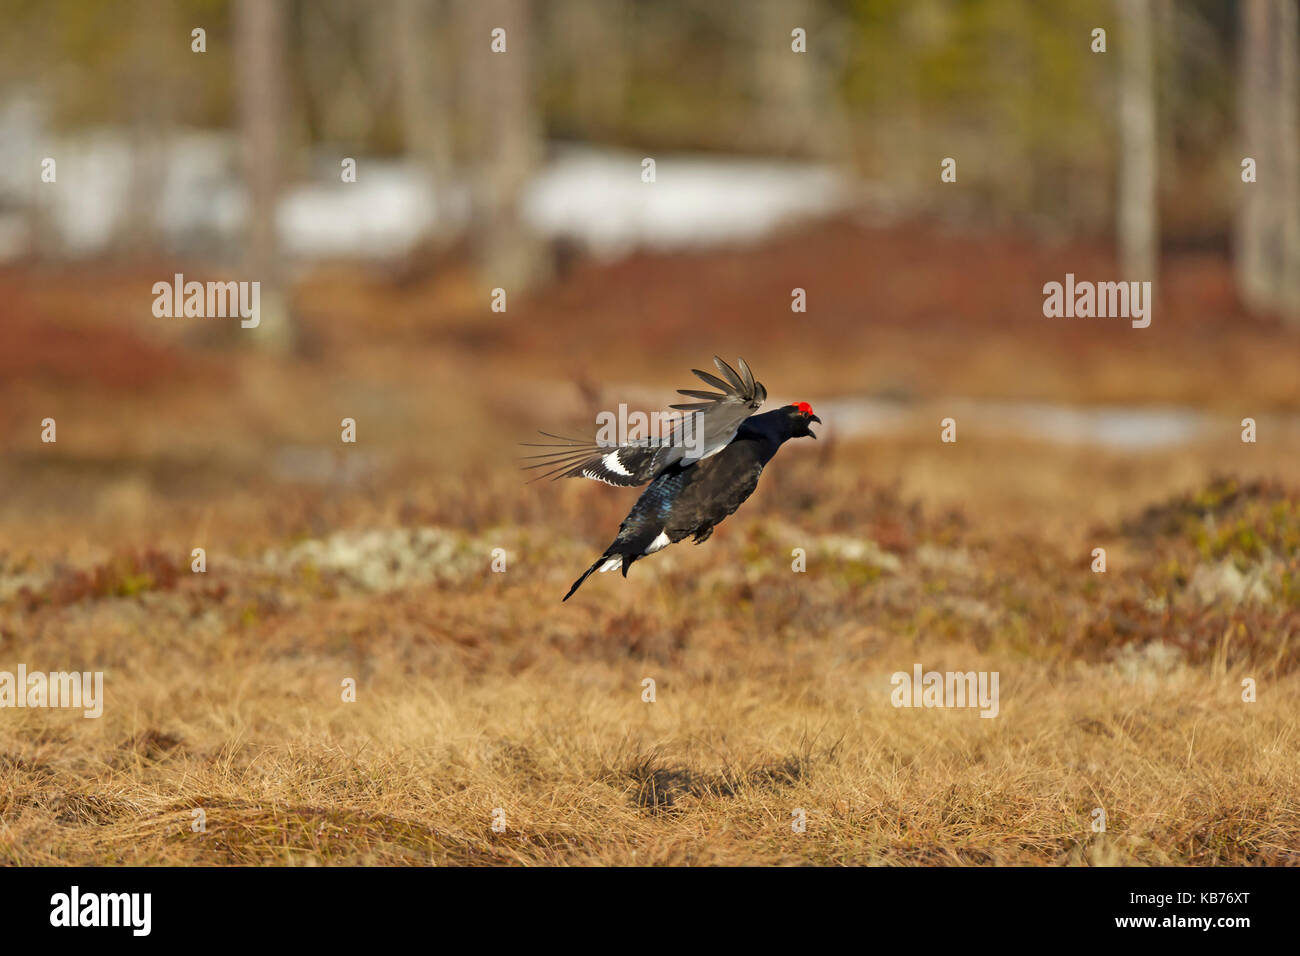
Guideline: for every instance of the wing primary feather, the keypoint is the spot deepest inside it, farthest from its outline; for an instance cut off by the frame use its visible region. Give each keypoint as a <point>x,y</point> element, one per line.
<point>556,462</point>
<point>526,444</point>
<point>712,380</point>
<point>558,455</point>
<point>748,376</point>
<point>586,443</point>
<point>730,372</point>
<point>561,468</point>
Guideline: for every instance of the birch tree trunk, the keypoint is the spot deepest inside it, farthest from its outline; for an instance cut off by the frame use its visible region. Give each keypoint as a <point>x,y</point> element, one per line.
<point>1288,49</point>
<point>507,140</point>
<point>259,68</point>
<point>1267,241</point>
<point>422,76</point>
<point>1137,211</point>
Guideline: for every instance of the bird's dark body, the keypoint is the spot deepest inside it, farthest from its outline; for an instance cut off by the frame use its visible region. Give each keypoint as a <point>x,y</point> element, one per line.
<point>689,501</point>
<point>685,502</point>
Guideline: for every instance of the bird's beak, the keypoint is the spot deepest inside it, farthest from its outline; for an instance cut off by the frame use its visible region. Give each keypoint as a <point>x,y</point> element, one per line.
<point>812,419</point>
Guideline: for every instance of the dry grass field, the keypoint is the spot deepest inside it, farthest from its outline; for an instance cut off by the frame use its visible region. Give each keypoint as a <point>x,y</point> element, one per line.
<point>478,692</point>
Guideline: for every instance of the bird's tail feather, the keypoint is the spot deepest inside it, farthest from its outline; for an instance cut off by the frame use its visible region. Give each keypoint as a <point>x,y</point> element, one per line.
<point>608,561</point>
<point>585,574</point>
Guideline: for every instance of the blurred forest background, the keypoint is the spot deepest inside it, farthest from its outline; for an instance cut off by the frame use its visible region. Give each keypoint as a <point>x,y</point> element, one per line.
<point>232,152</point>
<point>776,171</point>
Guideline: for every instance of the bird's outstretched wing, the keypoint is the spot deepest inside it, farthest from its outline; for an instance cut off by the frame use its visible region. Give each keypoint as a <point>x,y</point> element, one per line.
<point>710,425</point>
<point>626,465</point>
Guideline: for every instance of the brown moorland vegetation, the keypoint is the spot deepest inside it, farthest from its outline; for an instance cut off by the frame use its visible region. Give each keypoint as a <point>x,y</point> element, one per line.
<point>479,690</point>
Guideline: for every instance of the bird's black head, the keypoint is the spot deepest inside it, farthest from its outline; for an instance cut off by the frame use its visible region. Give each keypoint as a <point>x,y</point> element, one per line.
<point>799,416</point>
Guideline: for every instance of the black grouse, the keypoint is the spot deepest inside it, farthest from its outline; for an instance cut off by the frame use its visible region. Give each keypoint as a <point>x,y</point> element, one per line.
<point>700,473</point>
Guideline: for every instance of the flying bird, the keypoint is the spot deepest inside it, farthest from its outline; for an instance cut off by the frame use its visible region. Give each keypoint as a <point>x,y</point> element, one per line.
<point>698,474</point>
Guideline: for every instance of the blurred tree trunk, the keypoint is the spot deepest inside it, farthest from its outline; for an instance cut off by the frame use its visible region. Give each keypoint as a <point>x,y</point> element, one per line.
<point>593,33</point>
<point>259,55</point>
<point>1137,212</point>
<point>422,80</point>
<point>1258,217</point>
<point>507,141</point>
<point>1288,55</point>
<point>1267,242</point>
<point>797,105</point>
<point>152,33</point>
